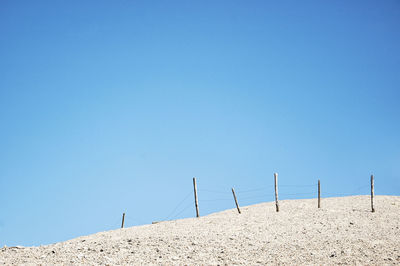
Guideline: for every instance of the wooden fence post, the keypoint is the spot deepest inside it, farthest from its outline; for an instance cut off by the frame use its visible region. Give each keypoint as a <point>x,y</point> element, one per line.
<point>234,197</point>
<point>196,203</point>
<point>319,194</point>
<point>123,220</point>
<point>276,191</point>
<point>372,193</point>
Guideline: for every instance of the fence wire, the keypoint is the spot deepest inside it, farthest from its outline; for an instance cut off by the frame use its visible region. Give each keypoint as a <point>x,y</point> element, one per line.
<point>177,206</point>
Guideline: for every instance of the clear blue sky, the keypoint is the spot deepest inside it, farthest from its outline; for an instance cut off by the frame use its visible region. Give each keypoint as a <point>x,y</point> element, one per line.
<point>113,106</point>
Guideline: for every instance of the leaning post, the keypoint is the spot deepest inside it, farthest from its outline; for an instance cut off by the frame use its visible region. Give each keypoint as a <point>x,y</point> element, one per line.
<point>237,204</point>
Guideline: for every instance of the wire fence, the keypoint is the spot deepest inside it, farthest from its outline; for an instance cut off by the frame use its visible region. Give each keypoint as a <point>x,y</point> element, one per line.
<point>223,197</point>
<point>260,194</point>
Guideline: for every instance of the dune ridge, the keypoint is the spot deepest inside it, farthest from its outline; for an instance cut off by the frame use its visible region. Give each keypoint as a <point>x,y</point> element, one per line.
<point>342,231</point>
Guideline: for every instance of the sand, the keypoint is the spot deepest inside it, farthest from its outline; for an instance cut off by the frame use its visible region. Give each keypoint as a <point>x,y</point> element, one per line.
<point>343,231</point>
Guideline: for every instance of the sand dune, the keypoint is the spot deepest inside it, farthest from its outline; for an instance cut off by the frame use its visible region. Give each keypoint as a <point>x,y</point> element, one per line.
<point>343,231</point>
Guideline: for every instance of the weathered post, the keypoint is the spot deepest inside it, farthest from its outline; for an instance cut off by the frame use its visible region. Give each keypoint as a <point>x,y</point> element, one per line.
<point>123,220</point>
<point>319,194</point>
<point>372,193</point>
<point>234,197</point>
<point>196,203</point>
<point>276,191</point>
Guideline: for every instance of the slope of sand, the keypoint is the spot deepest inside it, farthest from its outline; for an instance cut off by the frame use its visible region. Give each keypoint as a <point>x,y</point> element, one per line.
<point>343,231</point>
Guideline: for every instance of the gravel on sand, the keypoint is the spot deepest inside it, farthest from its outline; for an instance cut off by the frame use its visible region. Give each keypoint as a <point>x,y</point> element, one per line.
<point>343,231</point>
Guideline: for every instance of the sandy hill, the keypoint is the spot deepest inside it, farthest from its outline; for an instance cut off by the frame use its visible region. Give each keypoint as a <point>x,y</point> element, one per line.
<point>343,231</point>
